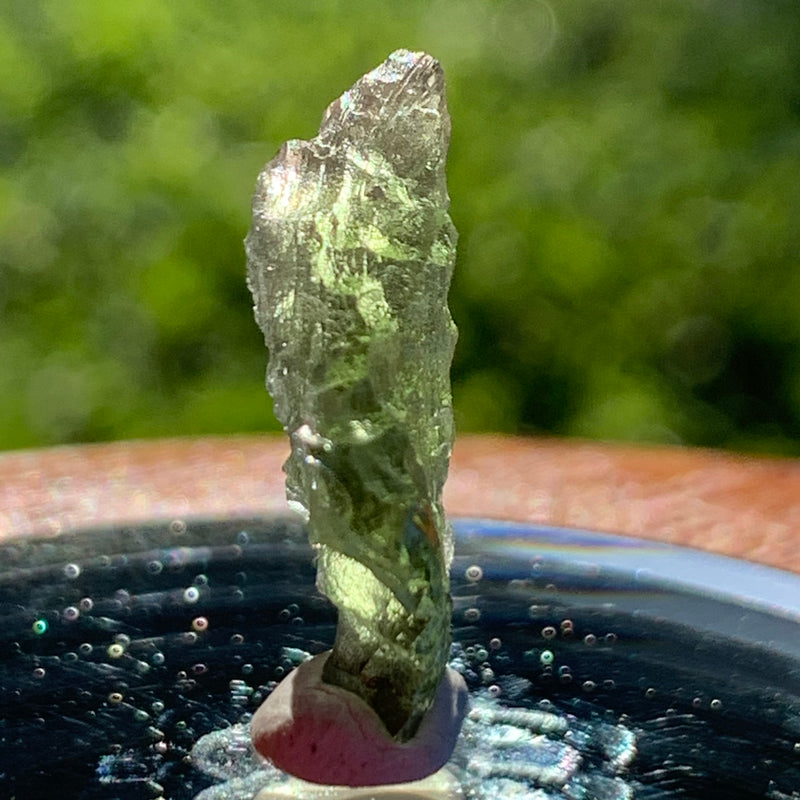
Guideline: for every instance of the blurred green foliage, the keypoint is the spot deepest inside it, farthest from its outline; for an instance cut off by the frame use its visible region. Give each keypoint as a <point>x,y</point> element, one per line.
<point>625,176</point>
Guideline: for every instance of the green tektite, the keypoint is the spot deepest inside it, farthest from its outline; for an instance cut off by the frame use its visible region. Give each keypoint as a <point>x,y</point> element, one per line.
<point>350,256</point>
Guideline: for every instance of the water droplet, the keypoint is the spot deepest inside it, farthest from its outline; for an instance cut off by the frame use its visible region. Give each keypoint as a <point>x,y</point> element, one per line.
<point>191,594</point>
<point>473,573</point>
<point>495,644</point>
<point>71,571</point>
<point>115,650</point>
<point>590,639</point>
<point>40,626</point>
<point>472,615</point>
<point>177,526</point>
<point>546,658</point>
<point>548,632</point>
<point>71,613</point>
<point>200,624</point>
<point>715,704</point>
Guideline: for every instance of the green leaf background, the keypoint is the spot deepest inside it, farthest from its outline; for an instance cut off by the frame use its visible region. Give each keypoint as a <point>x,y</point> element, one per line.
<point>625,176</point>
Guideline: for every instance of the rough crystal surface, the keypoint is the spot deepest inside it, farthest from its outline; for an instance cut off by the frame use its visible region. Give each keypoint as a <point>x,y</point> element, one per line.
<point>350,256</point>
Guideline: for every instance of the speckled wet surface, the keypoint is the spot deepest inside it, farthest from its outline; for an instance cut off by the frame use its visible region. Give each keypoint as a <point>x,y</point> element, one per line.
<point>121,649</point>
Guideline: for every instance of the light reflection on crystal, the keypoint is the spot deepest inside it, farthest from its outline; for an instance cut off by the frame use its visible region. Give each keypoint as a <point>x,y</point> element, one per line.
<point>349,259</point>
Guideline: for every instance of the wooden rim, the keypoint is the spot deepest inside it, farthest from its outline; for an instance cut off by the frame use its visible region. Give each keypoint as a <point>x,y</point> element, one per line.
<point>738,506</point>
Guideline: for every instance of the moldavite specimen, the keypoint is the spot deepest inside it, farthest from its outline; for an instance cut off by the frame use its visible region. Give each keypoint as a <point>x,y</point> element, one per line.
<point>350,256</point>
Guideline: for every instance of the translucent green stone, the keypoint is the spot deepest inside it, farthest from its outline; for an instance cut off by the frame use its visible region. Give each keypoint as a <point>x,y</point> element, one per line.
<point>350,256</point>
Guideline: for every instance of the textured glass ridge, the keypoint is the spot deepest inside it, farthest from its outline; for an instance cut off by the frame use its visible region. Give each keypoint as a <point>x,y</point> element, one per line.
<point>350,256</point>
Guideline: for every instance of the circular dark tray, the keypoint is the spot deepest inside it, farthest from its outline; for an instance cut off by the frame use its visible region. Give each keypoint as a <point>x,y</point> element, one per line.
<point>122,646</point>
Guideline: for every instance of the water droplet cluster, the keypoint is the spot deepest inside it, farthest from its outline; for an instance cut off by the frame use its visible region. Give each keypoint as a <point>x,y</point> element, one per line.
<point>571,699</point>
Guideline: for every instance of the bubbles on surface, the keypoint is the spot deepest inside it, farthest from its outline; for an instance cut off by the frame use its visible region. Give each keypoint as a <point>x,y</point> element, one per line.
<point>472,615</point>
<point>200,624</point>
<point>115,650</point>
<point>40,627</point>
<point>71,571</point>
<point>146,679</point>
<point>473,573</point>
<point>155,567</point>
<point>191,595</point>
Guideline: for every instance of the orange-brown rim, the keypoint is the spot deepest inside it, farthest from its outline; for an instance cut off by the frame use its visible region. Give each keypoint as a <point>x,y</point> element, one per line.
<point>734,505</point>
